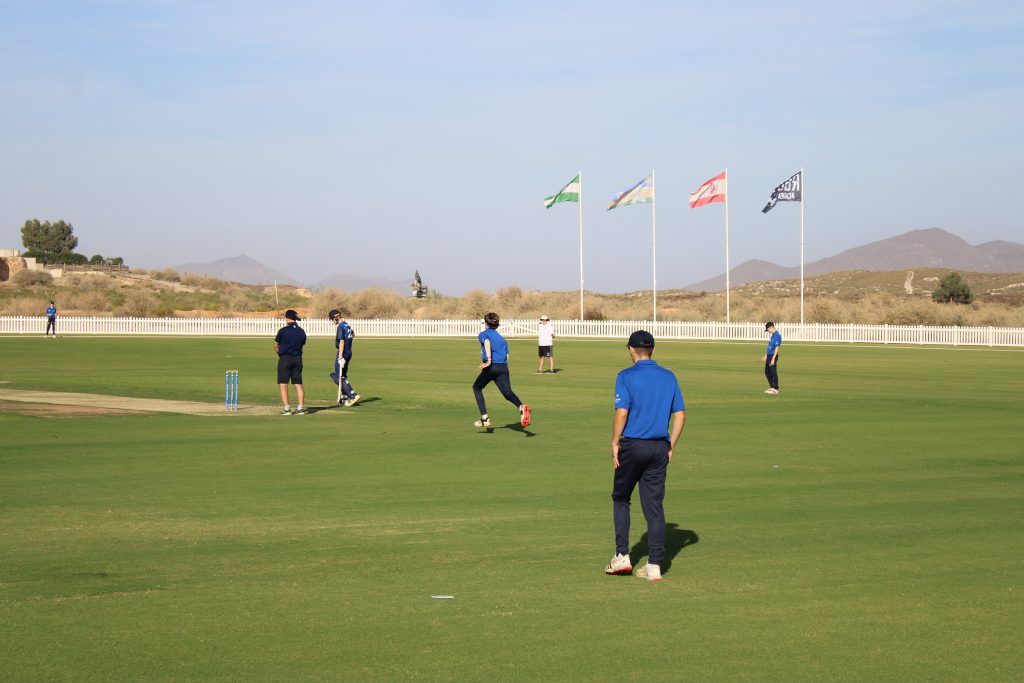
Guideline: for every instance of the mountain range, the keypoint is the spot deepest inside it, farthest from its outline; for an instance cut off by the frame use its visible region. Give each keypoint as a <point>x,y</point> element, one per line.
<point>930,247</point>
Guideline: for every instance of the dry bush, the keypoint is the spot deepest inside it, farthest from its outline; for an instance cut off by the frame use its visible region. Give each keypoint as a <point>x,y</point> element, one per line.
<point>508,299</point>
<point>826,310</point>
<point>201,281</point>
<point>593,312</point>
<point>25,305</point>
<point>139,271</point>
<point>88,302</point>
<point>31,278</point>
<point>139,303</point>
<point>440,307</point>
<point>323,301</point>
<point>167,275</point>
<point>375,304</point>
<point>241,301</point>
<point>476,304</point>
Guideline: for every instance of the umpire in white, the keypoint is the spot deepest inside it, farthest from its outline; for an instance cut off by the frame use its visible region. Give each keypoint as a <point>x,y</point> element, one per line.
<point>646,397</point>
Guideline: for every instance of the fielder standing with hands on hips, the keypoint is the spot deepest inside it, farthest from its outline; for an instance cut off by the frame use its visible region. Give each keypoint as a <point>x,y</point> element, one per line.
<point>647,396</point>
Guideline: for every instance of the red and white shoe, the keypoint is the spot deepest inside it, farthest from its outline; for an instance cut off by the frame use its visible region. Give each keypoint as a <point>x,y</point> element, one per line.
<point>620,564</point>
<point>651,572</point>
<point>524,415</point>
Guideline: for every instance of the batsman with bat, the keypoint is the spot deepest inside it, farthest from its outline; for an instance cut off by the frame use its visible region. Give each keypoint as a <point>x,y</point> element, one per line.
<point>343,339</point>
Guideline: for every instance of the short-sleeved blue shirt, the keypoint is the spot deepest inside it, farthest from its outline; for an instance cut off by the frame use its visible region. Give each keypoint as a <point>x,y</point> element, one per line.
<point>51,311</point>
<point>345,333</point>
<point>290,340</point>
<point>651,394</point>
<point>774,342</point>
<point>499,347</point>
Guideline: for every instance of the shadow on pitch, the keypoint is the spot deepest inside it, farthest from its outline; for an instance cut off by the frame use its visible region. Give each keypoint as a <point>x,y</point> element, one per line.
<point>514,426</point>
<point>675,540</point>
<point>319,409</point>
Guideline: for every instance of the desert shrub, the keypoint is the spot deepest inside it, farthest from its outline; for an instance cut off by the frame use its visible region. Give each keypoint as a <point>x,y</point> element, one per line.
<point>374,303</point>
<point>140,271</point>
<point>825,310</point>
<point>475,304</point>
<point>26,305</point>
<point>441,307</point>
<point>593,312</point>
<point>323,301</point>
<point>89,302</point>
<point>32,278</point>
<point>139,303</point>
<point>242,301</point>
<point>710,307</point>
<point>508,299</point>
<point>167,275</point>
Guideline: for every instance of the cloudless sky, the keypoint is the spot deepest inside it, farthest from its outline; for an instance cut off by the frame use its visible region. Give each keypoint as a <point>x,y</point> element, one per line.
<point>376,138</point>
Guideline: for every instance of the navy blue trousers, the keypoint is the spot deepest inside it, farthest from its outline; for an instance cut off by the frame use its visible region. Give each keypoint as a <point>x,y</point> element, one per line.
<point>497,373</point>
<point>643,462</point>
<point>771,372</point>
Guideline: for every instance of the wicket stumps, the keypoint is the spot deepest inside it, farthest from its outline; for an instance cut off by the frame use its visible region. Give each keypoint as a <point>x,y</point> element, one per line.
<point>231,390</point>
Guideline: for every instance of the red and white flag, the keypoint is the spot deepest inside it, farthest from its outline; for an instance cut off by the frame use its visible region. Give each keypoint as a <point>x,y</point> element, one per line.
<point>711,191</point>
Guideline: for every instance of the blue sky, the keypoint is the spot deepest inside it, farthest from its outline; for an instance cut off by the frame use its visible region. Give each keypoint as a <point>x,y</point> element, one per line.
<point>380,138</point>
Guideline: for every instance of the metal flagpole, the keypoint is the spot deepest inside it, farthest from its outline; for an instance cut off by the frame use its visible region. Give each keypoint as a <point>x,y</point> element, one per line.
<point>802,195</point>
<point>727,193</point>
<point>580,202</point>
<point>654,253</point>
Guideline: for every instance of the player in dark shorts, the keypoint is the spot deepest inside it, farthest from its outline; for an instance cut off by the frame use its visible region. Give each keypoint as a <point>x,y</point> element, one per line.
<point>288,343</point>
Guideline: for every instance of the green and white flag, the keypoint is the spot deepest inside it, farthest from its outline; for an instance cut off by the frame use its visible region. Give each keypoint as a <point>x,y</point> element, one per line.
<point>569,193</point>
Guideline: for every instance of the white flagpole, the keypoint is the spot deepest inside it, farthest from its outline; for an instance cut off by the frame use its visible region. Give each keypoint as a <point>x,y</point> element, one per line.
<point>803,196</point>
<point>580,202</point>
<point>654,253</point>
<point>727,193</point>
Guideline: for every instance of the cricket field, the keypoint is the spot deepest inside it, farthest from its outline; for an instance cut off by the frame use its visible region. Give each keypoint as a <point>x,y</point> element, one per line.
<point>865,525</point>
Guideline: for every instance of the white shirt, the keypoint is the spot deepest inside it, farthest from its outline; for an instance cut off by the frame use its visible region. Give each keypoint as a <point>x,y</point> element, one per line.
<point>545,334</point>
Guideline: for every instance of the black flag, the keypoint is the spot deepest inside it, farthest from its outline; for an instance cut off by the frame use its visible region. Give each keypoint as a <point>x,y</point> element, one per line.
<point>789,191</point>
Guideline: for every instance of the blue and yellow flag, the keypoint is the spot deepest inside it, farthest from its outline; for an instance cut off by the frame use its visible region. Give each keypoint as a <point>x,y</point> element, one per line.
<point>641,193</point>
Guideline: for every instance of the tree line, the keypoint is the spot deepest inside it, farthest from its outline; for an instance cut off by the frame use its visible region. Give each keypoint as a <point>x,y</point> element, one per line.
<point>54,243</point>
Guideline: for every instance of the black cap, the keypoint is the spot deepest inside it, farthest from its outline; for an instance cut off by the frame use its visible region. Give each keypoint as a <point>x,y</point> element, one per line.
<point>767,325</point>
<point>641,339</point>
<point>334,313</point>
<point>291,315</point>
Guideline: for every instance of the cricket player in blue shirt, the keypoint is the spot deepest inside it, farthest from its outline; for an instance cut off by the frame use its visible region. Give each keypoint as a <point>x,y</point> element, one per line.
<point>343,340</point>
<point>646,397</point>
<point>494,368</point>
<point>771,358</point>
<point>51,320</point>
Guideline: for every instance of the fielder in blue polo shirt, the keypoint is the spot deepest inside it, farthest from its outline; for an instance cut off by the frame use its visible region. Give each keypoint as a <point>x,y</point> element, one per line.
<point>647,397</point>
<point>51,320</point>
<point>771,358</point>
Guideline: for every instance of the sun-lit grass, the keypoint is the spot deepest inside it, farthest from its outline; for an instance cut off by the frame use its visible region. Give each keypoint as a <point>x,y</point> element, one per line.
<point>864,525</point>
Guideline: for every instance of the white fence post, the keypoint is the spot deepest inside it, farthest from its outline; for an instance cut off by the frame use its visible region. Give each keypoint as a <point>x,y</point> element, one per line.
<point>593,329</point>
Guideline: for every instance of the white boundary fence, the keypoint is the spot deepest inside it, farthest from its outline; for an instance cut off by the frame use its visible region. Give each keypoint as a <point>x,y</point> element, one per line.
<point>593,329</point>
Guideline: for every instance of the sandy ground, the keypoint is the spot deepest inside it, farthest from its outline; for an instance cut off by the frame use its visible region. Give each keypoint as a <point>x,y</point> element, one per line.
<point>62,404</point>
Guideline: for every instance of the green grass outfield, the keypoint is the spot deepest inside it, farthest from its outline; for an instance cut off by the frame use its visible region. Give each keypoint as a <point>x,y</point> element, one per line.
<point>866,525</point>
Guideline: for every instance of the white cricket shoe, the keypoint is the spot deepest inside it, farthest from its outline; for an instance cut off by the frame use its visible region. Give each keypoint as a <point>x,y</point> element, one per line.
<point>651,572</point>
<point>483,422</point>
<point>620,564</point>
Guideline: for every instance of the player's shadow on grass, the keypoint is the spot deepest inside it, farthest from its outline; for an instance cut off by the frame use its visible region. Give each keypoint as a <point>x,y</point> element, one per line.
<point>675,540</point>
<point>514,426</point>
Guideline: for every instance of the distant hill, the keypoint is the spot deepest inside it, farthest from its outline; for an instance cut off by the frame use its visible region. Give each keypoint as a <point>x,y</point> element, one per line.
<point>239,268</point>
<point>928,248</point>
<point>353,283</point>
